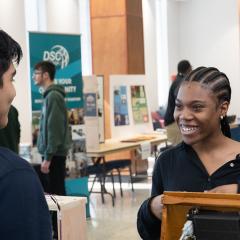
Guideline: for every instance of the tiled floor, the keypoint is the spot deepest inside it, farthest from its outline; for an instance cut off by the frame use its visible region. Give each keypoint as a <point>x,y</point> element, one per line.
<point>119,222</point>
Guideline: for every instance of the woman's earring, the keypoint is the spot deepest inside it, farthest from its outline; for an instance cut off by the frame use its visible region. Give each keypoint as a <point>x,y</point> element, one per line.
<point>221,117</point>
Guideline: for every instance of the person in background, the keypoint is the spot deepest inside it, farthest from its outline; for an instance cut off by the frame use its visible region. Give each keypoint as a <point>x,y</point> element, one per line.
<point>10,135</point>
<point>23,208</point>
<point>54,139</point>
<point>207,159</point>
<point>54,136</point>
<point>173,133</point>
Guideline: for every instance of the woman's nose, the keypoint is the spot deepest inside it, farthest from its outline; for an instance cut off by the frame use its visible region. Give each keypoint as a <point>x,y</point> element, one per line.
<point>185,114</point>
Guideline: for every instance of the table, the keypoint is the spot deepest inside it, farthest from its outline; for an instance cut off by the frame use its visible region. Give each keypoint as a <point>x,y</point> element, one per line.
<point>71,216</point>
<point>114,145</point>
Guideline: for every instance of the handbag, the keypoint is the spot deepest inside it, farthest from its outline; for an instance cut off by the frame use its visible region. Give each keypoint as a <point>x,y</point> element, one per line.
<point>214,225</point>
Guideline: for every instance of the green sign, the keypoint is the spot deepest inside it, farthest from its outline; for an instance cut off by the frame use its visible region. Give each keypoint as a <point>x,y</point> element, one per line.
<point>64,50</point>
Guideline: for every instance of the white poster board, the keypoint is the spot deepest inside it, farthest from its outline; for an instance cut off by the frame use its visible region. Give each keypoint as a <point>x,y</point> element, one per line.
<point>100,105</point>
<point>91,112</point>
<point>126,124</point>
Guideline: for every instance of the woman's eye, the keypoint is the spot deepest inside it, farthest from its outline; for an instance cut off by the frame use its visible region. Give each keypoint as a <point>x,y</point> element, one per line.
<point>197,107</point>
<point>178,106</point>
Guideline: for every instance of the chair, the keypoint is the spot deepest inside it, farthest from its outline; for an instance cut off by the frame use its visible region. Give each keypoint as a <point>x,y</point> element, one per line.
<point>102,170</point>
<point>118,165</point>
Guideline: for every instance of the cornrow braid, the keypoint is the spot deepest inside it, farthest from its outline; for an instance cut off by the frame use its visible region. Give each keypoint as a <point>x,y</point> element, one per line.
<point>218,83</point>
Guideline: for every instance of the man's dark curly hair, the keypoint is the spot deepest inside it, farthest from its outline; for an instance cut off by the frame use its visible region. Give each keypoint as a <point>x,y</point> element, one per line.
<point>10,51</point>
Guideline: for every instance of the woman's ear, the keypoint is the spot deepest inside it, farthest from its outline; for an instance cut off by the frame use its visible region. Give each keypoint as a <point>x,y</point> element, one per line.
<point>224,108</point>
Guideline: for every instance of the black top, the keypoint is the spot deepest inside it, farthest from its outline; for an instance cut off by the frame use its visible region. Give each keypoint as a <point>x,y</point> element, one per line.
<point>10,135</point>
<point>24,213</point>
<point>173,91</point>
<point>180,169</point>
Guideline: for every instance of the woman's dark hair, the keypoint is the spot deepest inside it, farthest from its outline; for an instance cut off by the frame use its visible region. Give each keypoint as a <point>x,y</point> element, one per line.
<point>218,83</point>
<point>183,67</point>
<point>10,51</point>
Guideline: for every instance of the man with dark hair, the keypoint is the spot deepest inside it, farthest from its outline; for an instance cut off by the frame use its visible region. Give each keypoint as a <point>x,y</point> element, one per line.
<point>53,139</point>
<point>54,136</point>
<point>173,132</point>
<point>23,208</point>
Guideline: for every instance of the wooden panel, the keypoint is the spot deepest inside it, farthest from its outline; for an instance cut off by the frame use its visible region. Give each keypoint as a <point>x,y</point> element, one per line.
<point>109,45</point>
<point>116,47</point>
<point>102,8</point>
<point>134,43</point>
<point>134,7</point>
<point>109,49</point>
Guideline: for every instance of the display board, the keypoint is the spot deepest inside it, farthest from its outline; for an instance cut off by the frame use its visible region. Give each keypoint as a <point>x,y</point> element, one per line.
<point>91,112</point>
<point>100,106</point>
<point>129,112</point>
<point>64,50</point>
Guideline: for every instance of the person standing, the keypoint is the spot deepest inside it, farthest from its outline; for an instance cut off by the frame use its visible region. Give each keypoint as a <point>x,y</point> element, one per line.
<point>54,138</point>
<point>207,159</point>
<point>10,135</point>
<point>173,133</point>
<point>23,207</point>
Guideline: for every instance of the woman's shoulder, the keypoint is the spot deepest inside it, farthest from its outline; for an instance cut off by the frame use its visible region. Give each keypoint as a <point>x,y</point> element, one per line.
<point>173,153</point>
<point>173,149</point>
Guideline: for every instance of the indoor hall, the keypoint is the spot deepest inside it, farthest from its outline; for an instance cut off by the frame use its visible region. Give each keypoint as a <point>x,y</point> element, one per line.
<point>116,60</point>
<point>117,222</point>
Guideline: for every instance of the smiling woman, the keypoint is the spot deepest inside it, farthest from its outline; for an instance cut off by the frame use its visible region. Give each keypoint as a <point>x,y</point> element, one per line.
<point>207,159</point>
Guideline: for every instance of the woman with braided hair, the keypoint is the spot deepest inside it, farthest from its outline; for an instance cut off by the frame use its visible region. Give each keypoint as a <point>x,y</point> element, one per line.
<point>207,159</point>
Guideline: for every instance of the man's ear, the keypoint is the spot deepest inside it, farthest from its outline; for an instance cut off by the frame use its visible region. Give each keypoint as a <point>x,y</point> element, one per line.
<point>45,75</point>
<point>224,108</point>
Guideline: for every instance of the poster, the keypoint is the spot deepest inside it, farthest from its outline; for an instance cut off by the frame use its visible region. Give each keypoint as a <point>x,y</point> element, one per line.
<point>139,104</point>
<point>64,51</point>
<point>90,104</point>
<point>121,116</point>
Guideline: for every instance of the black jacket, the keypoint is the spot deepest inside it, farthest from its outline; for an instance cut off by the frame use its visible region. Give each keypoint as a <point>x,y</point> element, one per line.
<point>23,208</point>
<point>180,169</point>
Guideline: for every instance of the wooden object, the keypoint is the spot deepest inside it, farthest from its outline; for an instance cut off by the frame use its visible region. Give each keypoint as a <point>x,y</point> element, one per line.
<point>112,146</point>
<point>72,216</point>
<point>177,204</point>
<point>117,42</point>
<point>117,48</point>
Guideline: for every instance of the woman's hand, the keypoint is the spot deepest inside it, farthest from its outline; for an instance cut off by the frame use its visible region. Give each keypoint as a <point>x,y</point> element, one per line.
<point>156,206</point>
<point>229,188</point>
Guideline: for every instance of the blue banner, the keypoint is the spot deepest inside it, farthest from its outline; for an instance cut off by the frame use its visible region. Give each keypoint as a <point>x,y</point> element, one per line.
<point>64,50</point>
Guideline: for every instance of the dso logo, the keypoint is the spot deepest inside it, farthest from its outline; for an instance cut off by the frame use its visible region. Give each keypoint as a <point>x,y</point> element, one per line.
<point>58,55</point>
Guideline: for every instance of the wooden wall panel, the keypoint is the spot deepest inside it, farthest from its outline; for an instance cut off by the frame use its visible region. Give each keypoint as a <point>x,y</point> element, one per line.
<point>135,42</point>
<point>117,42</point>
<point>106,8</point>
<point>109,44</point>
<point>134,7</point>
<point>117,45</point>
